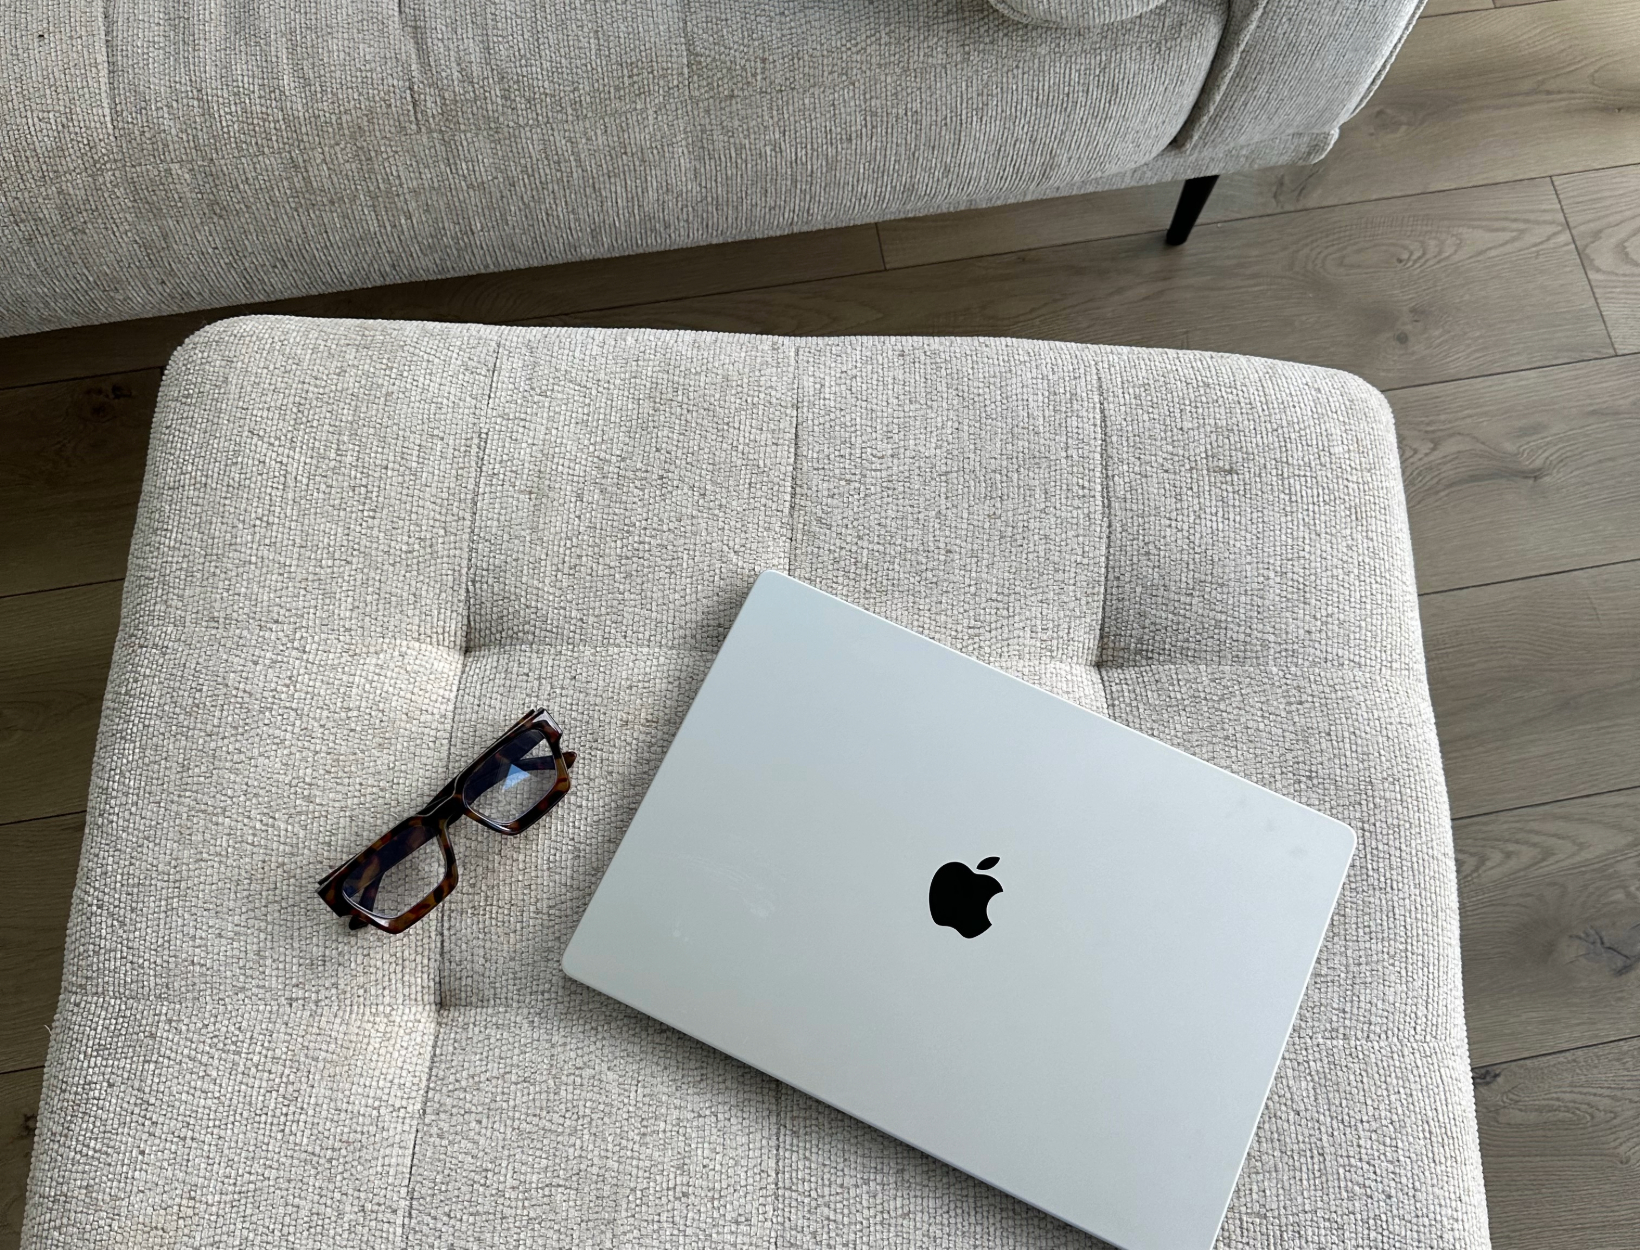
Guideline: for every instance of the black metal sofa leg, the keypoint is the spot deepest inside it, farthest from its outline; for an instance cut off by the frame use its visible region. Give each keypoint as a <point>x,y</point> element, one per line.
<point>1191,202</point>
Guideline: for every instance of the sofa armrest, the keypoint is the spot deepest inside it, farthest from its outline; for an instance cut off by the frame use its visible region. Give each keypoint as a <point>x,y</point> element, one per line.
<point>1294,67</point>
<point>1072,14</point>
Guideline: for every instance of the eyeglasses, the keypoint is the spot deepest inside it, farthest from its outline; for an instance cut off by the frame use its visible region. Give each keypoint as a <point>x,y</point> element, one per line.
<point>518,779</point>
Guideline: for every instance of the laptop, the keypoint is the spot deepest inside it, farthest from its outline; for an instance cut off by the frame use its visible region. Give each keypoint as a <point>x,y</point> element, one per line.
<point>1047,949</point>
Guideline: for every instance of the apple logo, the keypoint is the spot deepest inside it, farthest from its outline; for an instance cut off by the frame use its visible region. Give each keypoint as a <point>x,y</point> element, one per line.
<point>958,896</point>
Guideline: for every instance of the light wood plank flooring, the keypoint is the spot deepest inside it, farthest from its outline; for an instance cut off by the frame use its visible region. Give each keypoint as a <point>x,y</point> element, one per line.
<point>1472,245</point>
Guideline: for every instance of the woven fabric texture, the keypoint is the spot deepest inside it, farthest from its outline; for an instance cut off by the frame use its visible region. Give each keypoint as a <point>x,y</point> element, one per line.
<point>1294,67</point>
<point>160,157</point>
<point>1077,14</point>
<point>364,547</point>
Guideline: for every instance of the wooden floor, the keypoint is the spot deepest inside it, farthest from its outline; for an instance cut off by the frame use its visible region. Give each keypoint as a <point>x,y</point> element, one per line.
<point>1472,246</point>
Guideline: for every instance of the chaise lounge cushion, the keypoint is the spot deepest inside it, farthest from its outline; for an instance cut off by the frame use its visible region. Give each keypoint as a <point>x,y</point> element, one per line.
<point>365,547</point>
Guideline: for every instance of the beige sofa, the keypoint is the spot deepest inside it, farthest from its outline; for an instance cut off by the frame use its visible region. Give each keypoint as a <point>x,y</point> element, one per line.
<point>162,155</point>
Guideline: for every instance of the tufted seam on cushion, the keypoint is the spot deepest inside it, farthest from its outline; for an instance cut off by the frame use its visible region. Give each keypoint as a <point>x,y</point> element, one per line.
<point>1278,670</point>
<point>481,446</point>
<point>777,1222</point>
<point>797,451</point>
<point>440,915</point>
<point>572,648</point>
<point>322,1005</point>
<point>1100,414</point>
<point>408,1211</point>
<point>472,539</point>
<point>162,634</point>
<point>107,70</point>
<point>419,67</point>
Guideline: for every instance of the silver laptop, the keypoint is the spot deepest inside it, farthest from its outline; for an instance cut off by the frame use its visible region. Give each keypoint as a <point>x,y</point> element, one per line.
<point>1047,949</point>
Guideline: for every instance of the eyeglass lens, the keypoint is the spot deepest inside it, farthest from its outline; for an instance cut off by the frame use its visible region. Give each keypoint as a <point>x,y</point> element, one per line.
<point>401,874</point>
<point>510,785</point>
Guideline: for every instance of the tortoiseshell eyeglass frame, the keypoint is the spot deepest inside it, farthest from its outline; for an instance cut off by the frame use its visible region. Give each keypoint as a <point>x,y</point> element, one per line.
<point>350,890</point>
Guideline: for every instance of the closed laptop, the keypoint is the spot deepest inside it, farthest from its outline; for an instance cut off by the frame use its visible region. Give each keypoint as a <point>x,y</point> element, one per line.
<point>1044,948</point>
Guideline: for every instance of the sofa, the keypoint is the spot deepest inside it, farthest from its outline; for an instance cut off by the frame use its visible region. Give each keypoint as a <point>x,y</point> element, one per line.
<point>364,547</point>
<point>166,155</point>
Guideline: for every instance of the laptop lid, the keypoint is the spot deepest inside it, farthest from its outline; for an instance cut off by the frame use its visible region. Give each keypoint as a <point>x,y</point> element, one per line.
<point>1045,948</point>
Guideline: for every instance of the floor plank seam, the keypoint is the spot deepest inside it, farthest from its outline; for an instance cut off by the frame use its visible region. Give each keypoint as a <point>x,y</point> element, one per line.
<point>1506,373</point>
<point>29,820</point>
<point>1554,185</point>
<point>51,590</point>
<point>559,318</point>
<point>1526,807</point>
<point>1227,221</point>
<point>80,377</point>
<point>1159,230</point>
<point>1492,1067</point>
<point>1525,577</point>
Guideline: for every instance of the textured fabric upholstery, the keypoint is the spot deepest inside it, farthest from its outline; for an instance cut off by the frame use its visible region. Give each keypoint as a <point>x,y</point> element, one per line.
<point>1077,14</point>
<point>1294,67</point>
<point>160,155</point>
<point>279,149</point>
<point>365,546</point>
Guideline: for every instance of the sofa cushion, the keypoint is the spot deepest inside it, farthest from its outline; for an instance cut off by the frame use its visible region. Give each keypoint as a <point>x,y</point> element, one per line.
<point>1075,14</point>
<point>365,547</point>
